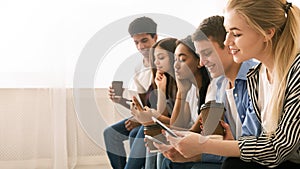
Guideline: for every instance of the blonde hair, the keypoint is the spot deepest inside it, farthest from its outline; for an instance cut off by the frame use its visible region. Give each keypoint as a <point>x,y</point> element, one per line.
<point>284,17</point>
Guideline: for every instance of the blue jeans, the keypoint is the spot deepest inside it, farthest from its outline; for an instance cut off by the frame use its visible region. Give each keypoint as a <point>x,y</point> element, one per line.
<point>137,156</point>
<point>168,164</point>
<point>151,161</point>
<point>114,136</point>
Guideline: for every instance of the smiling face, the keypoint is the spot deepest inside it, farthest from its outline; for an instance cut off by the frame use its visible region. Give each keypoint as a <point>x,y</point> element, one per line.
<point>143,42</point>
<point>217,60</point>
<point>243,42</point>
<point>186,63</point>
<point>162,60</point>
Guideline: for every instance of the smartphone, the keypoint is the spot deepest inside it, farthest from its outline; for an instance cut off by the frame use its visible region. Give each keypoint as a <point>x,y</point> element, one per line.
<point>163,126</point>
<point>118,88</point>
<point>137,103</point>
<point>153,139</point>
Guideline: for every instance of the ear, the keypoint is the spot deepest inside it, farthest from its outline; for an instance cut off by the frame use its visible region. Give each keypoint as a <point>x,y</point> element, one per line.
<point>155,37</point>
<point>269,34</point>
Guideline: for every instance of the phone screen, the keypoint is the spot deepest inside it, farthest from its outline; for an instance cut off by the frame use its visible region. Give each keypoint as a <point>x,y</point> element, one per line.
<point>153,139</point>
<point>164,127</point>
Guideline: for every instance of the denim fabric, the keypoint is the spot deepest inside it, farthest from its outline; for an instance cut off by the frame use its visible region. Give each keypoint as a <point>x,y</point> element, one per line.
<point>114,136</point>
<point>137,156</point>
<point>168,164</point>
<point>151,159</point>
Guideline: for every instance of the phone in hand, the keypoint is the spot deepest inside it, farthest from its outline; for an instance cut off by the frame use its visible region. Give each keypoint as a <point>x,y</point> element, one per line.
<point>118,88</point>
<point>137,103</point>
<point>163,126</point>
<point>153,139</point>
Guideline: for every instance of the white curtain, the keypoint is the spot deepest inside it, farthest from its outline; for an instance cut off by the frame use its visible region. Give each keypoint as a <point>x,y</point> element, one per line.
<point>39,129</point>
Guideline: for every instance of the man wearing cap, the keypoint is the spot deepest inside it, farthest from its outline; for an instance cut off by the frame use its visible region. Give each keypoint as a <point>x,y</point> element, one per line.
<point>143,32</point>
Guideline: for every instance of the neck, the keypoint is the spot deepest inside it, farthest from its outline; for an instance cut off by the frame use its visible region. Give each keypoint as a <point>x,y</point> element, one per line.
<point>197,81</point>
<point>232,72</point>
<point>268,61</point>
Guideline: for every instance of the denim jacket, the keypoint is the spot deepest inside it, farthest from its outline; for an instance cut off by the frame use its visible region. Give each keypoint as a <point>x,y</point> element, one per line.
<point>249,120</point>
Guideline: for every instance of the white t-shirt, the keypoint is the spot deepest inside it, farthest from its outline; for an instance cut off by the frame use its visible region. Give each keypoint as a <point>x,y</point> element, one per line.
<point>264,96</point>
<point>192,100</point>
<point>233,112</point>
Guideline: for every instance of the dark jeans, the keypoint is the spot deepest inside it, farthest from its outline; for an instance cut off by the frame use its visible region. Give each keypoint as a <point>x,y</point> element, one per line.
<point>137,156</point>
<point>114,136</point>
<point>237,163</point>
<point>168,164</point>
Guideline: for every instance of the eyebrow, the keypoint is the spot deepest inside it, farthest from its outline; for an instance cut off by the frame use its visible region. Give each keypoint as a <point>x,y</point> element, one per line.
<point>181,54</point>
<point>158,54</point>
<point>234,28</point>
<point>206,49</point>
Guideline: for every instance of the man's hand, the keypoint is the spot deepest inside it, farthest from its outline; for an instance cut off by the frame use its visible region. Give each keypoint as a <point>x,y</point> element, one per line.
<point>228,134</point>
<point>111,95</point>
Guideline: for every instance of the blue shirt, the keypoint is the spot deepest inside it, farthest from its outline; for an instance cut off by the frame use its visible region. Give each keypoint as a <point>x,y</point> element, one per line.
<point>249,120</point>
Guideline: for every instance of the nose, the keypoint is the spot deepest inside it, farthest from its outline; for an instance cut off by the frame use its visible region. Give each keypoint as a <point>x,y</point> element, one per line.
<point>176,65</point>
<point>156,62</point>
<point>140,46</point>
<point>228,40</point>
<point>203,60</point>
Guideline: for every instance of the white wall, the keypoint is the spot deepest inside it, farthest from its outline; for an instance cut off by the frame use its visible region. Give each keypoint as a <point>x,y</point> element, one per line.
<point>40,41</point>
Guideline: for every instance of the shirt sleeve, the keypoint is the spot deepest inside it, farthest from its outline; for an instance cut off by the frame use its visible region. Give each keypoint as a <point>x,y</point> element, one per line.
<point>273,150</point>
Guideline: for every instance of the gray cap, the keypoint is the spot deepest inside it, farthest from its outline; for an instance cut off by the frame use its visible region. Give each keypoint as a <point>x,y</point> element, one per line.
<point>189,43</point>
<point>142,25</point>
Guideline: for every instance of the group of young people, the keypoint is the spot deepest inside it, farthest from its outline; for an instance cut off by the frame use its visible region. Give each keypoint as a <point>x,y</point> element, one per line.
<point>248,60</point>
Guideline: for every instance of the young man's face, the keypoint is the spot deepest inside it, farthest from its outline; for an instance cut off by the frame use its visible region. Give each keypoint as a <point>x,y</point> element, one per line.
<point>143,42</point>
<point>213,57</point>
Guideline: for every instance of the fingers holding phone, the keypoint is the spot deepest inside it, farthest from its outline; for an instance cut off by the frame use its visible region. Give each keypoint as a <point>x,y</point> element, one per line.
<point>137,104</point>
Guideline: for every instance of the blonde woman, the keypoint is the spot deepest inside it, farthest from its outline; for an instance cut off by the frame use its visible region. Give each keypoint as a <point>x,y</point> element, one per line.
<point>266,30</point>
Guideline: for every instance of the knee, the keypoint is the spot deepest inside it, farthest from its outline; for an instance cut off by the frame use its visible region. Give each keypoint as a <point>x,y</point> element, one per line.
<point>107,133</point>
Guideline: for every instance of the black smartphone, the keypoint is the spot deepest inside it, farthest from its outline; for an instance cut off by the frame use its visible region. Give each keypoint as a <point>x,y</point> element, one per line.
<point>118,88</point>
<point>163,126</point>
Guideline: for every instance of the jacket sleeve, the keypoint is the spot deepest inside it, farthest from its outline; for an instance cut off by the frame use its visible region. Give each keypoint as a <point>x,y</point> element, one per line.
<point>273,150</point>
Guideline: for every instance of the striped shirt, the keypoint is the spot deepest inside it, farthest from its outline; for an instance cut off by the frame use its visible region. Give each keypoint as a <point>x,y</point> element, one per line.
<point>284,144</point>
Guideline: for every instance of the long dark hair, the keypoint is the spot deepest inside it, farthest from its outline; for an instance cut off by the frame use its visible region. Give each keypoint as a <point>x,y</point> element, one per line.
<point>168,44</point>
<point>205,81</point>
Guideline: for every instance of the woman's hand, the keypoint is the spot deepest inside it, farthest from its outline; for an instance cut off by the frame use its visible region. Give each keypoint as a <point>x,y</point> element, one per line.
<point>188,144</point>
<point>183,85</point>
<point>160,81</point>
<point>142,116</point>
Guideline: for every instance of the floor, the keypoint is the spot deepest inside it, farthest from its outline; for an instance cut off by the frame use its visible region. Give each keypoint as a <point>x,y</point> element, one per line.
<point>94,167</point>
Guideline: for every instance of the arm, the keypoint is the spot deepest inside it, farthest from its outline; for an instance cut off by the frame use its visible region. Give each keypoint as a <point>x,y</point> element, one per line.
<point>193,144</point>
<point>274,149</point>
<point>181,114</point>
<point>161,83</point>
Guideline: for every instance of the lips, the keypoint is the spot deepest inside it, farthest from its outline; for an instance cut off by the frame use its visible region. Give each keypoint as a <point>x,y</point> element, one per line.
<point>234,51</point>
<point>210,67</point>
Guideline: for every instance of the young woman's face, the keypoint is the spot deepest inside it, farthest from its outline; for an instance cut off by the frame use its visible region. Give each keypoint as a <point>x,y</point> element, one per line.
<point>186,63</point>
<point>243,42</point>
<point>162,60</point>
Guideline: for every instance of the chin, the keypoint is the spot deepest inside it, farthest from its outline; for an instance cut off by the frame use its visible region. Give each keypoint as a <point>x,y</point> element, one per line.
<point>237,59</point>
